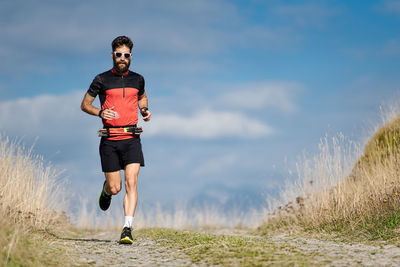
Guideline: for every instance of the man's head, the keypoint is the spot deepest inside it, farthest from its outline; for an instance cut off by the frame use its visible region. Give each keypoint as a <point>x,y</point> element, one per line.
<point>121,54</point>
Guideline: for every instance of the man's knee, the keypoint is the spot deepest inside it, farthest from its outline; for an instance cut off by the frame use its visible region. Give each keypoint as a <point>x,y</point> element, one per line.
<point>114,188</point>
<point>131,176</point>
<point>131,183</point>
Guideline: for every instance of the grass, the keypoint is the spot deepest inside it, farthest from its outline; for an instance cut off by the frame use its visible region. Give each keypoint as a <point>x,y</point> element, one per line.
<point>28,248</point>
<point>345,190</point>
<point>29,199</point>
<point>180,216</point>
<point>226,250</point>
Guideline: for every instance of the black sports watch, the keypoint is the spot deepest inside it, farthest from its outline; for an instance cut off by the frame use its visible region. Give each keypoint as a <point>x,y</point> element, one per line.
<point>143,110</point>
<point>101,111</point>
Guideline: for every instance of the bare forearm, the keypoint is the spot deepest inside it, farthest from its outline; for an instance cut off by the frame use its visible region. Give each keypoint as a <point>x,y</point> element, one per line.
<point>87,106</point>
<point>143,103</point>
<point>143,106</point>
<point>90,109</point>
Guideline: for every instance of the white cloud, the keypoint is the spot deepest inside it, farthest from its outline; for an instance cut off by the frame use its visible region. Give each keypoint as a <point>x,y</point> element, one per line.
<point>276,95</point>
<point>47,116</point>
<point>207,124</point>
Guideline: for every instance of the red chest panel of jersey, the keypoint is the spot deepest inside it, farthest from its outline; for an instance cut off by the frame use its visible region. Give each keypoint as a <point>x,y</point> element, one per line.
<point>125,103</point>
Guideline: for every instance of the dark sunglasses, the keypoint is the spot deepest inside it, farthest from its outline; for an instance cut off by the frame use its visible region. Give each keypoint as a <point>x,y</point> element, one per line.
<point>126,55</point>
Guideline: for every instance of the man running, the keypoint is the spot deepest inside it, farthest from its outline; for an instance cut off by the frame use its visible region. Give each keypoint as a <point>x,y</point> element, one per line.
<point>121,94</point>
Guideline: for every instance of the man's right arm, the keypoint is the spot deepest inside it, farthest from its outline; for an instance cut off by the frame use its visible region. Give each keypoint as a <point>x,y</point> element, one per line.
<point>94,89</point>
<point>87,107</point>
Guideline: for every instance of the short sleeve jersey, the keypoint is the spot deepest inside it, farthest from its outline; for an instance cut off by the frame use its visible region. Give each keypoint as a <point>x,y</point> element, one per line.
<point>121,92</point>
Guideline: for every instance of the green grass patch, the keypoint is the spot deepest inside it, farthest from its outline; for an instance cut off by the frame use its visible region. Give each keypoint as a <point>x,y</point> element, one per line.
<point>226,250</point>
<point>382,227</point>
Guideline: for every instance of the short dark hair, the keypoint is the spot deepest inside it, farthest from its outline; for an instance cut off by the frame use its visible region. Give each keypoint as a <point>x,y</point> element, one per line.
<point>120,41</point>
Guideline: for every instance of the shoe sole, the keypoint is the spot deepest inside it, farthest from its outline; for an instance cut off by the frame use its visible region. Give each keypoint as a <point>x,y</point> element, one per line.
<point>126,240</point>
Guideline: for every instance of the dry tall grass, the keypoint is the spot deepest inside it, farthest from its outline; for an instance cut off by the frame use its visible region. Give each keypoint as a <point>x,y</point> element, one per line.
<point>180,217</point>
<point>29,197</point>
<point>344,188</point>
<point>309,196</point>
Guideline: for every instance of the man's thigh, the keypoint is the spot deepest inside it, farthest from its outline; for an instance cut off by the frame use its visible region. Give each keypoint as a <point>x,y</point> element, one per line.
<point>132,171</point>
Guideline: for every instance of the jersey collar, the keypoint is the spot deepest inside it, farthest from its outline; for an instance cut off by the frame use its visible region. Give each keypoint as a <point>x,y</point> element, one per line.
<point>116,73</point>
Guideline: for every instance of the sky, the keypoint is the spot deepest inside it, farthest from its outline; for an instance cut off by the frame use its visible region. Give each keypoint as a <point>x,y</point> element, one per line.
<point>237,89</point>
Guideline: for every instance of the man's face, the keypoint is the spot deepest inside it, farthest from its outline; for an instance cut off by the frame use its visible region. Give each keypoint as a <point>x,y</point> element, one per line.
<point>121,64</point>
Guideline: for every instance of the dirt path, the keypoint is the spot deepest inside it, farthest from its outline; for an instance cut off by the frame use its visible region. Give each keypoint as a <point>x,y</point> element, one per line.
<point>102,249</point>
<point>333,253</point>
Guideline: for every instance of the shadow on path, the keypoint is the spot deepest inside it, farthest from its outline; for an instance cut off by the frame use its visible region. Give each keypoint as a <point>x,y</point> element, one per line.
<point>78,239</point>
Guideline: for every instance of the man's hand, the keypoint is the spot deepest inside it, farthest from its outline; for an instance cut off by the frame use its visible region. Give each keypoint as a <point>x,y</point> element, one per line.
<point>146,115</point>
<point>109,114</point>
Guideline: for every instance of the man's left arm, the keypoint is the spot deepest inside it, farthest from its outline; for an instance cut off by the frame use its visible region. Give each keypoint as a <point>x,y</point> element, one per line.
<point>143,104</point>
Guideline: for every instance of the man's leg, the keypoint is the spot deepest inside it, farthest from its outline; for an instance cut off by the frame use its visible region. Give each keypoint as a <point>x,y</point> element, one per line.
<point>113,184</point>
<point>131,196</point>
<point>111,187</point>
<point>130,201</point>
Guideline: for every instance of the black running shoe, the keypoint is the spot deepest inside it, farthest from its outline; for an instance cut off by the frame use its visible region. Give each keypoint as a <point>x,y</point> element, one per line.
<point>126,236</point>
<point>104,199</point>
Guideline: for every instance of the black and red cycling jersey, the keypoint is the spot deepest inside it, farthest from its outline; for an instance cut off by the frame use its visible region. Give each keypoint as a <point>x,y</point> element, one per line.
<point>120,91</point>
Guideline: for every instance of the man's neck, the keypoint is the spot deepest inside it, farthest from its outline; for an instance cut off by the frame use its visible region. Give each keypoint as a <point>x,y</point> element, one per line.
<point>119,73</point>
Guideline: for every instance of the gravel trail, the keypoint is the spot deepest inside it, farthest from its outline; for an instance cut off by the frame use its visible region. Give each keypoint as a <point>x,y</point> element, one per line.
<point>103,249</point>
<point>333,253</point>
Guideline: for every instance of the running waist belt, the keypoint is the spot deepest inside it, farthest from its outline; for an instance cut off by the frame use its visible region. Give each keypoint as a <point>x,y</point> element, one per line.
<point>119,131</point>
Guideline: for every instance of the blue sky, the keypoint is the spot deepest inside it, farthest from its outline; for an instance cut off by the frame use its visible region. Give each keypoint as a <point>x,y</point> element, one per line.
<point>238,89</point>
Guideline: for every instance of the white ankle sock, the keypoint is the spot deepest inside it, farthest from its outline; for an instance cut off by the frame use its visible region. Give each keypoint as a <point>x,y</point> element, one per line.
<point>128,221</point>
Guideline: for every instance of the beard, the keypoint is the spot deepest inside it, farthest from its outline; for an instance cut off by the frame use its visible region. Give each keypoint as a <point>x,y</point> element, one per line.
<point>121,67</point>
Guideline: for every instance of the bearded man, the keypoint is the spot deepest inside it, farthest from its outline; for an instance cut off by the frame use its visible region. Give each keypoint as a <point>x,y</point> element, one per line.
<point>121,93</point>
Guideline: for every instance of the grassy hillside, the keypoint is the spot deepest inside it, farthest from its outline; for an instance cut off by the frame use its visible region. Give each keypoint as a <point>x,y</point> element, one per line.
<point>29,199</point>
<point>341,191</point>
<point>382,147</point>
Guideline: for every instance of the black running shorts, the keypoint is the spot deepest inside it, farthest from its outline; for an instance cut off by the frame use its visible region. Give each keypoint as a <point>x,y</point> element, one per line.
<point>116,154</point>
